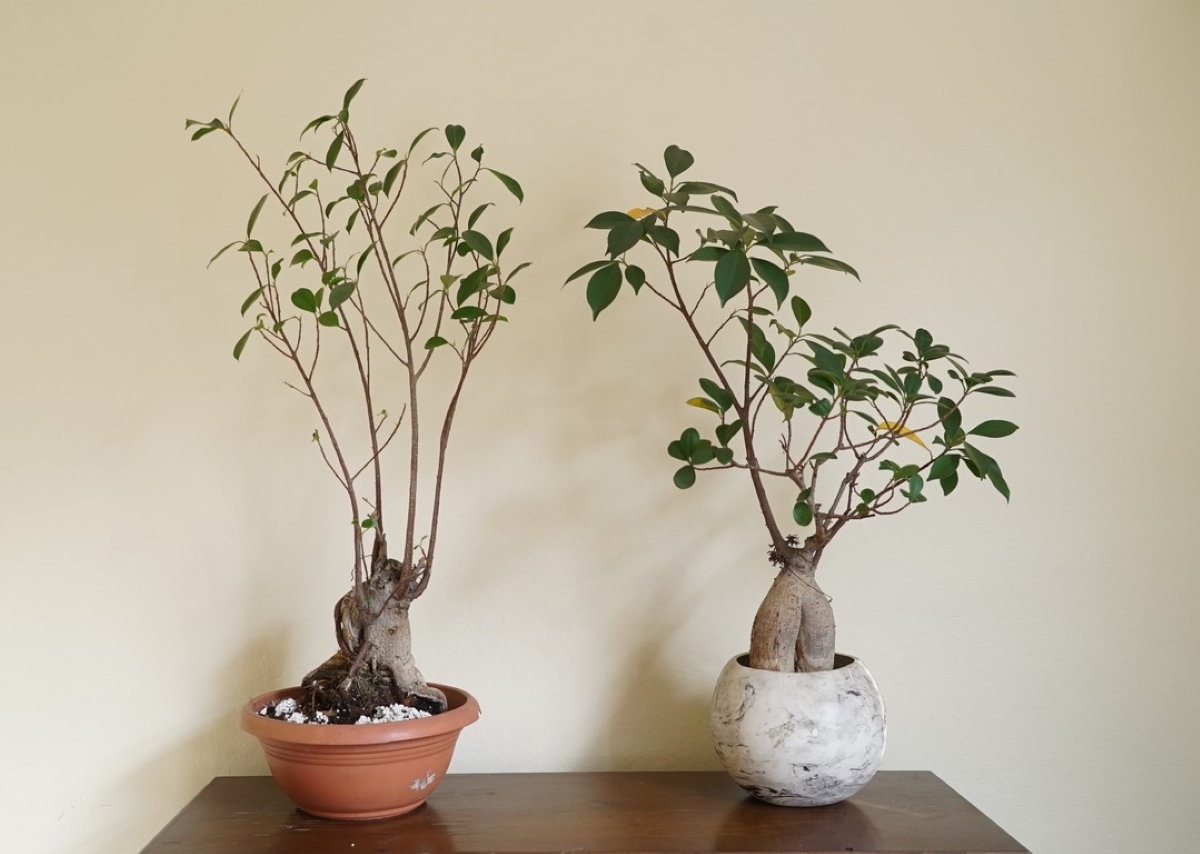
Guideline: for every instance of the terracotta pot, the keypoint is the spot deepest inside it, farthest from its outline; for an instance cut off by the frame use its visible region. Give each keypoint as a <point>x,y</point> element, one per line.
<point>799,739</point>
<point>359,771</point>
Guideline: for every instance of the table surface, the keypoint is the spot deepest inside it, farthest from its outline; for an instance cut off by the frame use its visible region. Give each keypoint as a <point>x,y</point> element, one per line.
<point>684,811</point>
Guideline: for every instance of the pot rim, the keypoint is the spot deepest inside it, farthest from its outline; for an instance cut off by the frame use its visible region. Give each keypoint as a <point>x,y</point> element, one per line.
<point>841,661</point>
<point>463,711</point>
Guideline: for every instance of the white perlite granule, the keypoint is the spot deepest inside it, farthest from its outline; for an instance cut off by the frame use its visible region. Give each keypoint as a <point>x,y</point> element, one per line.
<point>287,710</point>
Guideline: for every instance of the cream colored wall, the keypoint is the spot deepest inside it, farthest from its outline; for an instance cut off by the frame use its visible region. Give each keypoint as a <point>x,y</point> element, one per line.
<point>1023,178</point>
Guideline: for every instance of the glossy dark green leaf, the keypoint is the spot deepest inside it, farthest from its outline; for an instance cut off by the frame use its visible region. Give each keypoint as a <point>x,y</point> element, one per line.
<point>477,213</point>
<point>796,241</point>
<point>623,237</point>
<point>477,154</point>
<point>677,160</point>
<point>774,277</point>
<point>685,477</point>
<point>603,287</point>
<point>943,466</point>
<point>994,429</point>
<point>468,313</point>
<point>502,241</point>
<point>652,183</point>
<point>328,318</point>
<point>351,92</point>
<point>708,253</point>
<point>636,277</point>
<point>993,390</point>
<point>389,180</point>
<point>587,268</point>
<point>435,341</point>
<point>802,513</point>
<point>726,432</point>
<point>731,275</point>
<point>703,188</point>
<point>302,257</point>
<point>609,219</point>
<point>665,237</point>
<point>722,397</point>
<point>801,311</point>
<point>727,210</point>
<point>254,215</point>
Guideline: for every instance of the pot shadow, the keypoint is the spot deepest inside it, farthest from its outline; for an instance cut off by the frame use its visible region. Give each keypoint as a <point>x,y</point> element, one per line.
<point>751,822</point>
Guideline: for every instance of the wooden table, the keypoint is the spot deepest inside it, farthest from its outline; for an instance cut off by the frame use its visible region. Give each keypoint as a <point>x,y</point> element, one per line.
<point>899,811</point>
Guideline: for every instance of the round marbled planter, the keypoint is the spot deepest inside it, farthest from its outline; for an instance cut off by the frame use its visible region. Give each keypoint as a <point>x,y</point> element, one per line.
<point>799,739</point>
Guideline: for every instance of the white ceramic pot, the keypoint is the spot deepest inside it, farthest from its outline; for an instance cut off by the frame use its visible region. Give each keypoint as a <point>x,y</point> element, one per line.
<point>799,739</point>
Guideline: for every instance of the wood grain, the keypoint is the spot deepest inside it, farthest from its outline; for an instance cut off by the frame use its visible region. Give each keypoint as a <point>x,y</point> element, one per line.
<point>899,811</point>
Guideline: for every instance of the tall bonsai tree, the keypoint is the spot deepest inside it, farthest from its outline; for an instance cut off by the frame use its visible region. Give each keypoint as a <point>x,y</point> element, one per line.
<point>369,297</point>
<point>857,425</point>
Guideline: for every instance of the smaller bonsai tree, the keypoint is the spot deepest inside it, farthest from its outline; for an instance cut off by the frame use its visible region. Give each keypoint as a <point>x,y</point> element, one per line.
<point>856,425</point>
<point>364,300</point>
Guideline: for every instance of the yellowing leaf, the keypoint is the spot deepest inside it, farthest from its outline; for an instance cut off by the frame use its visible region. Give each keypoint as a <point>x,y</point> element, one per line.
<point>704,403</point>
<point>640,213</point>
<point>900,430</point>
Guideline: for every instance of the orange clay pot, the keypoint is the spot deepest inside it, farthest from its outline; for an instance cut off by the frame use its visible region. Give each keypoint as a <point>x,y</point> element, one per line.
<point>359,771</point>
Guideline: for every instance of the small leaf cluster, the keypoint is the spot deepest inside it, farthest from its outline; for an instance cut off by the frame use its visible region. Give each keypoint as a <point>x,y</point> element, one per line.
<point>870,400</point>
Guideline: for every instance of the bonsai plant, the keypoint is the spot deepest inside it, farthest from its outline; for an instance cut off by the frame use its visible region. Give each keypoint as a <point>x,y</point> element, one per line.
<point>359,293</point>
<point>855,426</point>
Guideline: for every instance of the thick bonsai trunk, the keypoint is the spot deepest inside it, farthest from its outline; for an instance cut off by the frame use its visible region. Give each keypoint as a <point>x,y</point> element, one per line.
<point>794,627</point>
<point>374,666</point>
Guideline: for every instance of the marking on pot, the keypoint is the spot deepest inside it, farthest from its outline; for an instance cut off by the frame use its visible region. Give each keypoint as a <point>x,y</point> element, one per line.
<point>422,783</point>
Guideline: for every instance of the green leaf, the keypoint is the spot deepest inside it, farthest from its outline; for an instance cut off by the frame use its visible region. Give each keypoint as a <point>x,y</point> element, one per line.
<point>389,180</point>
<point>328,318</point>
<point>468,313</point>
<point>944,466</point>
<point>472,284</point>
<point>685,477</point>
<point>829,264</point>
<point>949,482</point>
<point>726,432</point>
<point>254,215</point>
<point>665,237</point>
<point>994,429</point>
<point>304,299</point>
<point>502,240</point>
<point>796,241</point>
<point>709,253</point>
<point>802,512</point>
<point>993,390</point>
<point>241,344</point>
<point>250,300</point>
<point>340,293</point>
<point>512,186</point>
<point>624,237</point>
<point>504,293</point>
<point>302,257</point>
<point>335,148</point>
<point>774,277</point>
<point>316,124</point>
<point>722,397</point>
<point>222,251</point>
<point>703,188</point>
<point>587,268</point>
<point>652,183</point>
<point>455,134</point>
<point>727,210</point>
<point>477,154</point>
<point>603,288</point>
<point>801,310</point>
<point>636,277</point>
<point>731,275</point>
<point>351,92</point>
<point>475,214</point>
<point>987,467</point>
<point>250,245</point>
<point>435,341</point>
<point>609,219</point>
<point>480,244</point>
<point>677,160</point>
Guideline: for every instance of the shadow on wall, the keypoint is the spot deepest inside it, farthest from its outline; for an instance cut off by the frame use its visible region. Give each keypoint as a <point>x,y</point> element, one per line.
<point>174,776</point>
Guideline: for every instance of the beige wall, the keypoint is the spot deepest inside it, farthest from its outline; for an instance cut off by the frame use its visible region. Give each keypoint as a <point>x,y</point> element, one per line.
<point>1023,178</point>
